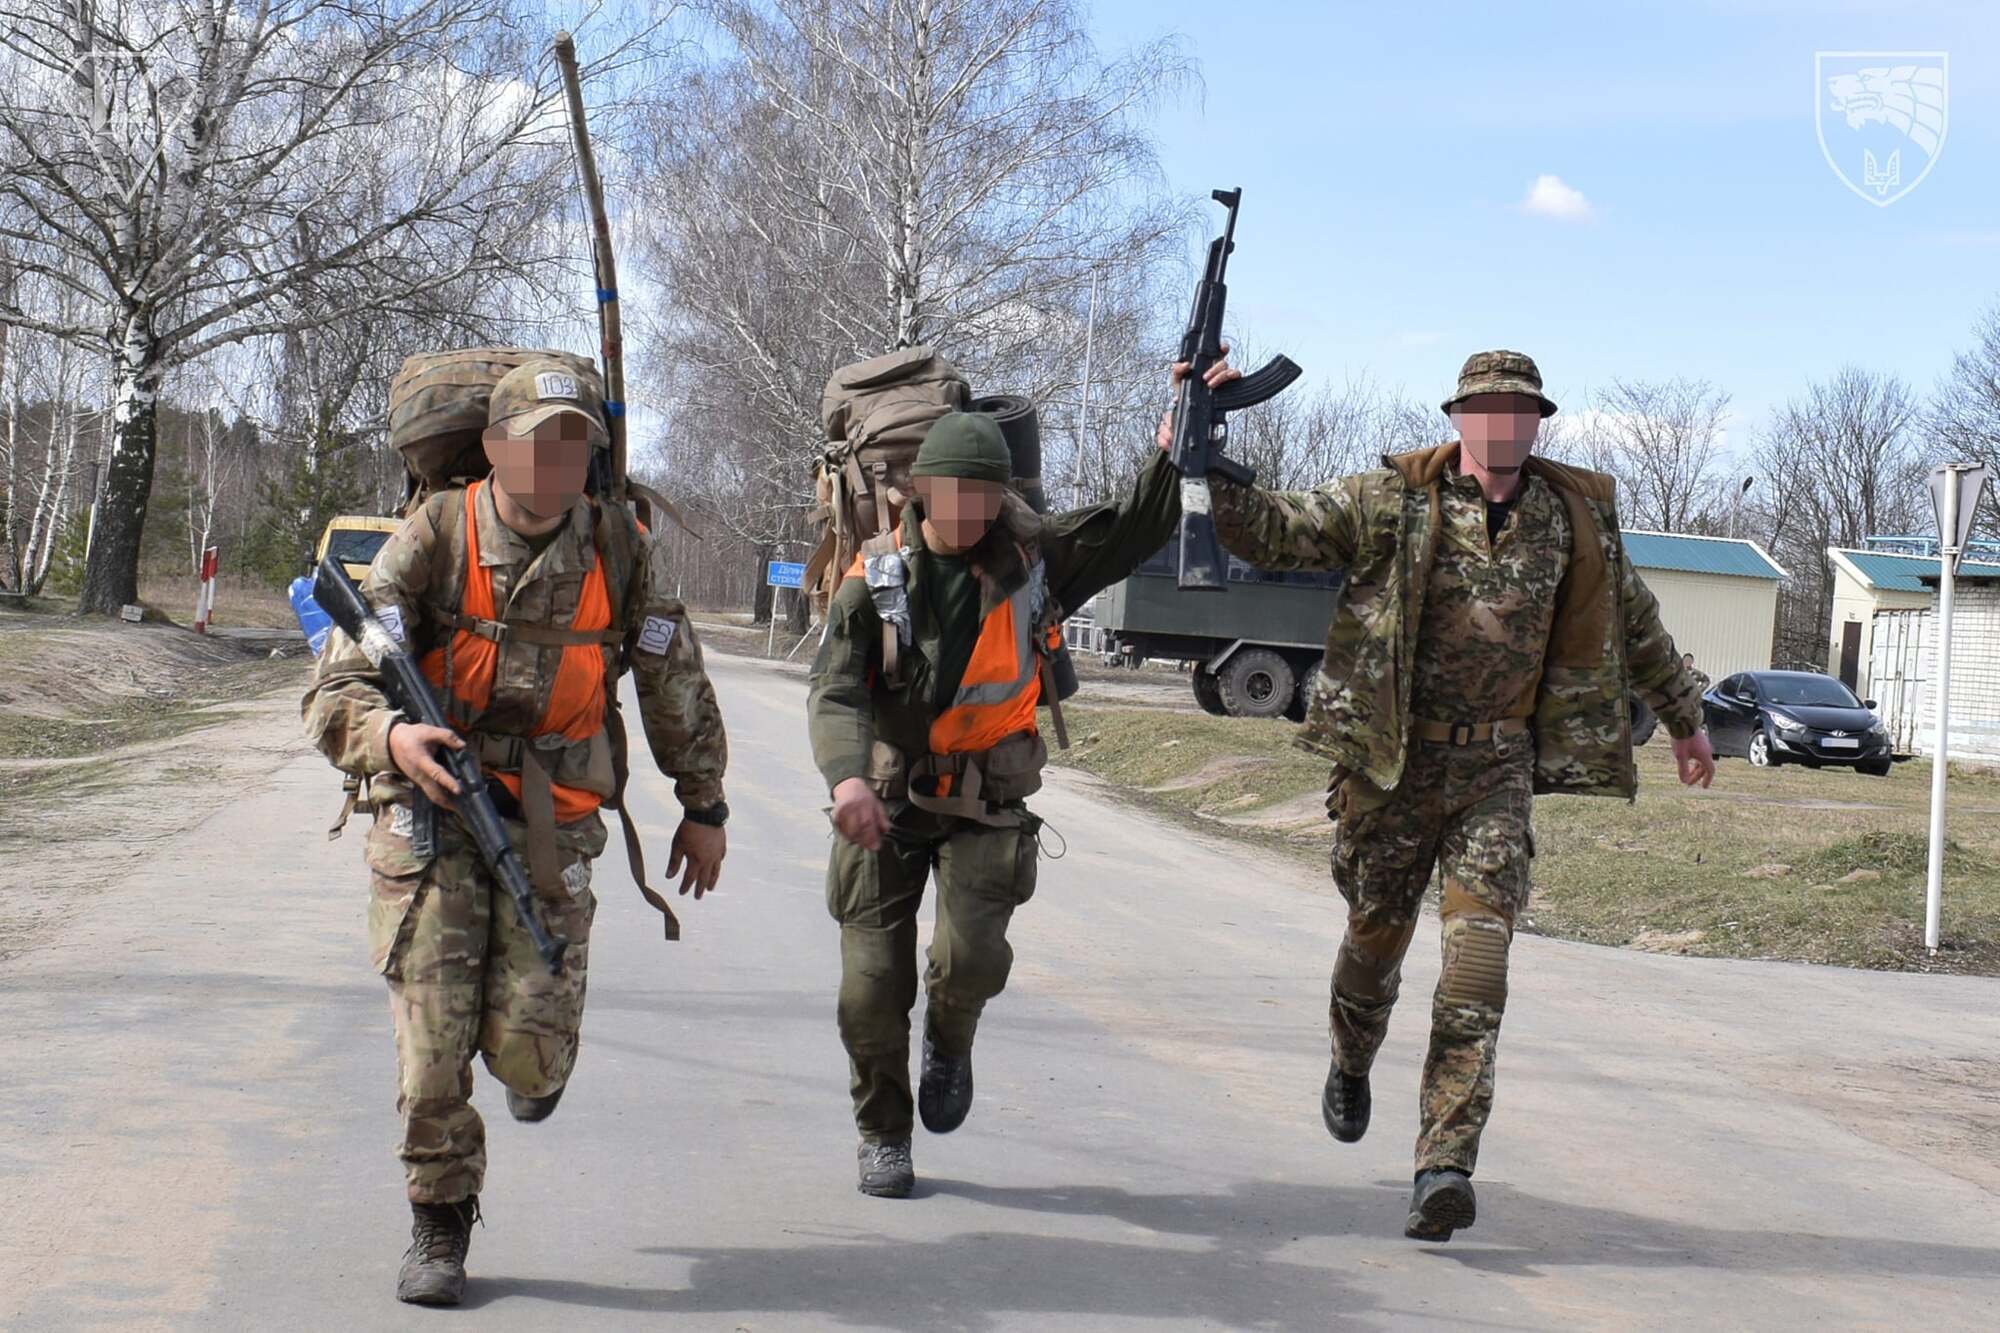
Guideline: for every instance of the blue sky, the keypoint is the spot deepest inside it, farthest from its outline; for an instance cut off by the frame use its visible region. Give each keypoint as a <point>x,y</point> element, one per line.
<point>1385,153</point>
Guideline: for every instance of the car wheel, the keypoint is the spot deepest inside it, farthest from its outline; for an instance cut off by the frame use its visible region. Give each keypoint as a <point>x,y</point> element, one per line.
<point>1761,753</point>
<point>1208,693</point>
<point>1258,683</point>
<point>1875,768</point>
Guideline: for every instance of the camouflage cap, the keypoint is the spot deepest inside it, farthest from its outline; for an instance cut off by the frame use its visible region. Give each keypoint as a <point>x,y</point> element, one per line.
<point>1500,372</point>
<point>530,394</point>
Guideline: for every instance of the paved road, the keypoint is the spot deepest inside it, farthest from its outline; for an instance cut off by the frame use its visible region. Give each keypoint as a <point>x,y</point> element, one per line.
<point>196,1122</point>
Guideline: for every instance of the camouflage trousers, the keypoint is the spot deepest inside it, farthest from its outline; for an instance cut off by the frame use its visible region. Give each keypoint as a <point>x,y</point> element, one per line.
<point>983,874</point>
<point>464,979</point>
<point>1463,810</point>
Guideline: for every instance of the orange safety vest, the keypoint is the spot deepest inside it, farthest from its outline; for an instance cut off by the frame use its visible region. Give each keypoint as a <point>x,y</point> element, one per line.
<point>575,706</point>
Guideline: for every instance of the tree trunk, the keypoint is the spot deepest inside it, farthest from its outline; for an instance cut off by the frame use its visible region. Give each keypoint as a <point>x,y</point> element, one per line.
<point>760,602</point>
<point>111,576</point>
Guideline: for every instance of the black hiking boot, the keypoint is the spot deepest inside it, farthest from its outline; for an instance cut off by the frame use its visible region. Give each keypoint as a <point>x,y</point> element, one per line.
<point>434,1265</point>
<point>1440,1204</point>
<point>944,1088</point>
<point>1345,1104</point>
<point>528,1110</point>
<point>886,1169</point>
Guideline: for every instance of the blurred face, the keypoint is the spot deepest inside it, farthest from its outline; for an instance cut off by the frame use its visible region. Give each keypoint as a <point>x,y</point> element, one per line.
<point>1498,430</point>
<point>543,471</point>
<point>959,512</point>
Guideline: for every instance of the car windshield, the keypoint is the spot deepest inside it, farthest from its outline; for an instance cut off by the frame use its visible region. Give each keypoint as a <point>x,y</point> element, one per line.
<point>353,547</point>
<point>1810,691</point>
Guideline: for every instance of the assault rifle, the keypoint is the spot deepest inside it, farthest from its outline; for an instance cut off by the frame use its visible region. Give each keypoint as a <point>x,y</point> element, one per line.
<point>404,684</point>
<point>1201,429</point>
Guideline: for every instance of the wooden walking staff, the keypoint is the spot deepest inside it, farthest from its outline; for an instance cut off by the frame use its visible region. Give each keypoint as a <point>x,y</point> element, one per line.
<point>646,502</point>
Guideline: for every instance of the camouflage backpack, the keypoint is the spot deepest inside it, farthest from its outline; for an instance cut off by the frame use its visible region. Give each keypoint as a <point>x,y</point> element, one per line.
<point>875,413</point>
<point>437,413</point>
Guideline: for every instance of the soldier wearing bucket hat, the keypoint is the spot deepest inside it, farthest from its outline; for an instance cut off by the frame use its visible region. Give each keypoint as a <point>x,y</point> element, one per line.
<point>923,713</point>
<point>524,600</point>
<point>1530,630</point>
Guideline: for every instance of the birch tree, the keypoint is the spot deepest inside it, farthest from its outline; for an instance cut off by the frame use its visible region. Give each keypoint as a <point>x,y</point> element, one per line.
<point>189,167</point>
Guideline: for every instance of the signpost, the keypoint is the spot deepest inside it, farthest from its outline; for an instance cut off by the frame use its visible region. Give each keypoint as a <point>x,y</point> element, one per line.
<point>204,600</point>
<point>780,574</point>
<point>1955,491</point>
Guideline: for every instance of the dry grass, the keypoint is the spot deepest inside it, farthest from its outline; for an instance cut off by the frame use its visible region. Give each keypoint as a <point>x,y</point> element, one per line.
<point>239,601</point>
<point>1667,873</point>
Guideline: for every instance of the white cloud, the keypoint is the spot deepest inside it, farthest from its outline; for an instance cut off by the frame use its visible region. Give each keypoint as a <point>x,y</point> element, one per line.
<point>1549,197</point>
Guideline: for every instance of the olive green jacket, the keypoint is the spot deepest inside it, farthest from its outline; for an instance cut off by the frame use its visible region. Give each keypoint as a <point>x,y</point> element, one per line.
<point>1082,551</point>
<point>1381,527</point>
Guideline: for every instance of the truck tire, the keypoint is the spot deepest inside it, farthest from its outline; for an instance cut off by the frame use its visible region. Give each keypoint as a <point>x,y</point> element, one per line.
<point>1208,692</point>
<point>1302,695</point>
<point>1258,683</point>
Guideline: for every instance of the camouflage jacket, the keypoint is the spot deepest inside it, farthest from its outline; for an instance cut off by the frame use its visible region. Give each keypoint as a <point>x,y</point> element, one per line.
<point>419,572</point>
<point>1083,551</point>
<point>1381,527</point>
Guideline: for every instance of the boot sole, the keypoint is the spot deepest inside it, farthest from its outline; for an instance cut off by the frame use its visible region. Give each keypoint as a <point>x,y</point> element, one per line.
<point>901,1189</point>
<point>1336,1126</point>
<point>1444,1210</point>
<point>432,1296</point>
<point>942,1122</point>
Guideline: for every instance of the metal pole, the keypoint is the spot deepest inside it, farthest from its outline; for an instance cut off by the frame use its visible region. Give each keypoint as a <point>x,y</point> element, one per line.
<point>1083,407</point>
<point>771,639</point>
<point>1947,566</point>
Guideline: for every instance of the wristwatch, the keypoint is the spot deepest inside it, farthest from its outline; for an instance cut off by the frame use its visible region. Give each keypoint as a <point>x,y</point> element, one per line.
<point>715,816</point>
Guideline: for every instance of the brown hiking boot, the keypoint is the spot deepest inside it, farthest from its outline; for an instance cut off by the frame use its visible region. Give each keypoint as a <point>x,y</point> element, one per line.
<point>434,1265</point>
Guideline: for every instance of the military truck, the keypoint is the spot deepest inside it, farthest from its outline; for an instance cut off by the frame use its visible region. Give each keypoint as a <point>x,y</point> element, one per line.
<point>1252,649</point>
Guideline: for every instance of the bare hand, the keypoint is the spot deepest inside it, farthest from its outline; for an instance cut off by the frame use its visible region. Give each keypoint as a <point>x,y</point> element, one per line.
<point>702,847</point>
<point>859,815</point>
<point>410,751</point>
<point>1696,759</point>
<point>1218,375</point>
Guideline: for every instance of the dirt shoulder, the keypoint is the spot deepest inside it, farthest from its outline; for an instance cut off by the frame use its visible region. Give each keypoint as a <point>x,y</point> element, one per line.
<point>1820,866</point>
<point>114,737</point>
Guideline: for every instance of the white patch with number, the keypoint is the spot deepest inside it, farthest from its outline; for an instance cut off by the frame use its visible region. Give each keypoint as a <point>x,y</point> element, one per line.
<point>392,620</point>
<point>401,822</point>
<point>551,385</point>
<point>656,635</point>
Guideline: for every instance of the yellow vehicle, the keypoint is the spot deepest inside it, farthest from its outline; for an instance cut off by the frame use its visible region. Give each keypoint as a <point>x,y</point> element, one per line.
<point>353,539</point>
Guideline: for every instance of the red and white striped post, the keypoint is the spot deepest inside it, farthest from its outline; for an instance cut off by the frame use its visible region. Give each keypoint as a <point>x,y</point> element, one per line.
<point>204,601</point>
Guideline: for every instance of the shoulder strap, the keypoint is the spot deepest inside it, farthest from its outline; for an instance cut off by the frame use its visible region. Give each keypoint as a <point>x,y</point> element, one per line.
<point>881,544</point>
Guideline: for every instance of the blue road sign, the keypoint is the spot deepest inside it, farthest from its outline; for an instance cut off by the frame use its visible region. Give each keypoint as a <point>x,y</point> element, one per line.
<point>785,575</point>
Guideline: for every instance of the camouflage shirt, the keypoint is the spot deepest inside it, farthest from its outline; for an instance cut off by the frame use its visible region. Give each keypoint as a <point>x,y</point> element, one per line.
<point>1083,551</point>
<point>1383,529</point>
<point>418,572</point>
<point>1490,604</point>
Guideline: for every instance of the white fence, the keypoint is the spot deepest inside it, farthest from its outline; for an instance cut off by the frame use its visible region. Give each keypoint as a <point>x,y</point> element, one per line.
<point>1902,662</point>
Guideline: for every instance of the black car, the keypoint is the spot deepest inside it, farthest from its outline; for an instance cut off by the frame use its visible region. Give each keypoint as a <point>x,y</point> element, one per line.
<point>1776,717</point>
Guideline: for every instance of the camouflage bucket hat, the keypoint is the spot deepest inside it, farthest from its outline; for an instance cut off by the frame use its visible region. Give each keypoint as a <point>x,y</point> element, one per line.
<point>530,394</point>
<point>1500,372</point>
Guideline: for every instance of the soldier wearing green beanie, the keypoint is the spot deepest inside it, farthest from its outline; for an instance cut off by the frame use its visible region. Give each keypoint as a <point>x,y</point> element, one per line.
<point>923,715</point>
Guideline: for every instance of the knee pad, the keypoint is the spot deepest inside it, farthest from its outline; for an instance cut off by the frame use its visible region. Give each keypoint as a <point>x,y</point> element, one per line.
<point>1369,965</point>
<point>1475,962</point>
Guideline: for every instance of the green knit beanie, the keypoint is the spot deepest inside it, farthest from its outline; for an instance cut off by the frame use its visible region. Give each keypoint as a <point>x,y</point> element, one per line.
<point>966,445</point>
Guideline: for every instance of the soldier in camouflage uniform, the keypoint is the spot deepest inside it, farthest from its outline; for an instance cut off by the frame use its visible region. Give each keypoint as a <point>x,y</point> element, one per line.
<point>527,599</point>
<point>1696,674</point>
<point>1485,640</point>
<point>926,735</point>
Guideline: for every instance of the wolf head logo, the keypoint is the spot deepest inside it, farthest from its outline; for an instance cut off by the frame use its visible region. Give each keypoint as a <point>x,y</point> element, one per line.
<point>1871,106</point>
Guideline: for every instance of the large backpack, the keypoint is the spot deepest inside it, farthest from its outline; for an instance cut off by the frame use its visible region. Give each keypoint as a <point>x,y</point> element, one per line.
<point>437,412</point>
<point>875,413</point>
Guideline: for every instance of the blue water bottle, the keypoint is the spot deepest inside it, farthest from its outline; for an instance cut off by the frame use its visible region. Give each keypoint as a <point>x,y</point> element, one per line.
<point>316,623</point>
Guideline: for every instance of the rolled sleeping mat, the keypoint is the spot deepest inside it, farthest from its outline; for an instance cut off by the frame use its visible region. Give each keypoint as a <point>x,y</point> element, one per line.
<point>1018,424</point>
